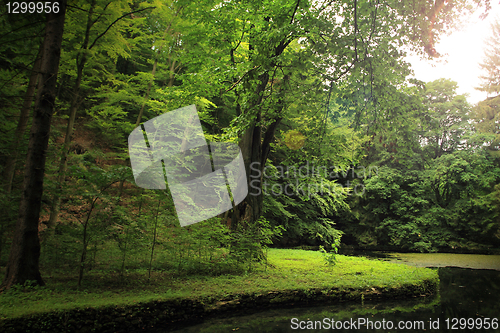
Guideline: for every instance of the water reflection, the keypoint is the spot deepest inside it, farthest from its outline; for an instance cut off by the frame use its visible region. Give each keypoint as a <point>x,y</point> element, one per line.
<point>464,293</point>
<point>469,293</point>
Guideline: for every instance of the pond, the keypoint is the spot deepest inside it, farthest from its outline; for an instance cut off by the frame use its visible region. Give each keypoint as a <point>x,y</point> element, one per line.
<point>468,301</point>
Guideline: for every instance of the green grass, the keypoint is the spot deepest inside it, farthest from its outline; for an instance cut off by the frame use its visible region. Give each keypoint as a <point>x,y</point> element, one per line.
<point>287,270</point>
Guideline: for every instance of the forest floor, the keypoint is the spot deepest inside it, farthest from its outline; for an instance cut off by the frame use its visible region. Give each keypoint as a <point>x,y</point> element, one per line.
<point>291,277</point>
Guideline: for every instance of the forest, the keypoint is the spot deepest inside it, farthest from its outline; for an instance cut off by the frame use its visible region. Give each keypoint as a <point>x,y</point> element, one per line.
<point>342,148</point>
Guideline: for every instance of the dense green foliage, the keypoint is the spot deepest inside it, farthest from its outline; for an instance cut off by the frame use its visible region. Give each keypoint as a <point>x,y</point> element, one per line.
<point>442,197</point>
<point>379,160</point>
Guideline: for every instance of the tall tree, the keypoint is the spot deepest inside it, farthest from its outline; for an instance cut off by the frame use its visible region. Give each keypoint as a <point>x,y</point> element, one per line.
<point>487,113</point>
<point>96,30</point>
<point>21,41</point>
<point>444,122</point>
<point>491,64</point>
<point>81,60</point>
<point>10,165</point>
<point>25,249</point>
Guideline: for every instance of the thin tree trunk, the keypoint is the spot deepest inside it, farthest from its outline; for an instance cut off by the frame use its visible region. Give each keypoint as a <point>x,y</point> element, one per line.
<point>10,165</point>
<point>173,70</point>
<point>124,257</point>
<point>154,238</point>
<point>83,256</point>
<point>56,199</point>
<point>23,264</point>
<point>153,72</point>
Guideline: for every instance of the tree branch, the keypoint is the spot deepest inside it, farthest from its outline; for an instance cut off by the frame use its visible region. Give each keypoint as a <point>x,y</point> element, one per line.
<point>356,29</point>
<point>241,78</point>
<point>118,19</point>
<point>294,11</point>
<point>102,13</point>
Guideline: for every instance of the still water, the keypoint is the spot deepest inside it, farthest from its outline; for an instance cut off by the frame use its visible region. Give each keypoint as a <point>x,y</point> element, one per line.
<point>468,301</point>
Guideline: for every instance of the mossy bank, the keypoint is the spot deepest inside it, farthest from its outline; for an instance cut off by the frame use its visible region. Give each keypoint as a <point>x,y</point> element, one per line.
<point>291,278</point>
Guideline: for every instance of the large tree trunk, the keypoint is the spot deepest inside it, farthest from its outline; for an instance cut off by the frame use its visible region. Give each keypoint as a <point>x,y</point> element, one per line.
<point>255,148</point>
<point>250,209</point>
<point>25,249</point>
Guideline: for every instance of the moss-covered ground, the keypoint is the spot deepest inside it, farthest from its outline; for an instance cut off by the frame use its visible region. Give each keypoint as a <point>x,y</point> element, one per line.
<point>290,276</point>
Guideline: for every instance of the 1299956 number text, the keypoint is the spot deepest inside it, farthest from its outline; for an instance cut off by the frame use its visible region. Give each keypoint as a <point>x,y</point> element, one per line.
<point>32,7</point>
<point>471,323</point>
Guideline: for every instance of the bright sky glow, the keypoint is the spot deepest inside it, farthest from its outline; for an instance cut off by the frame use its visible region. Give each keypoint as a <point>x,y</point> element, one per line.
<point>462,52</point>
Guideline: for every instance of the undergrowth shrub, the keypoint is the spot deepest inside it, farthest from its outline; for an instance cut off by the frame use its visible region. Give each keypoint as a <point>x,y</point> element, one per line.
<point>249,244</point>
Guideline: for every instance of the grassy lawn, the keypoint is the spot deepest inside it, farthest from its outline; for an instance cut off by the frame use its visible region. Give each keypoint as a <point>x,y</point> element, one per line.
<point>287,270</point>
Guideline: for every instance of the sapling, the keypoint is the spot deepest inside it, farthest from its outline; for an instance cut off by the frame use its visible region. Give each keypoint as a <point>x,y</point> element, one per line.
<point>154,237</point>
